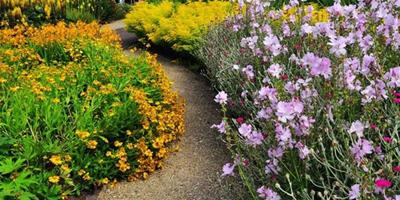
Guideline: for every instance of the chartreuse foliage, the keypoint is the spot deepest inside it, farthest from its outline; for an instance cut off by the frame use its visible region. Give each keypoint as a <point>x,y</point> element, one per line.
<point>76,113</point>
<point>180,26</point>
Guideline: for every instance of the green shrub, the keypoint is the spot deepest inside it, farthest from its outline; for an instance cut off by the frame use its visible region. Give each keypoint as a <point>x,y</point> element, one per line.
<point>75,15</point>
<point>180,26</point>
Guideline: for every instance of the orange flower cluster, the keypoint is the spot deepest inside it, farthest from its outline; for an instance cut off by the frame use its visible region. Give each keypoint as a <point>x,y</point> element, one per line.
<point>113,116</point>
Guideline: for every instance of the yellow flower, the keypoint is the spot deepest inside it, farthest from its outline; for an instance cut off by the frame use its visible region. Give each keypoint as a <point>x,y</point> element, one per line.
<point>56,160</point>
<point>56,100</point>
<point>130,146</point>
<point>92,144</point>
<point>67,158</point>
<point>105,181</point>
<point>54,179</point>
<point>81,172</point>
<point>82,134</point>
<point>129,133</point>
<point>14,89</point>
<point>117,143</point>
<point>108,153</point>
<point>65,168</point>
<point>87,177</point>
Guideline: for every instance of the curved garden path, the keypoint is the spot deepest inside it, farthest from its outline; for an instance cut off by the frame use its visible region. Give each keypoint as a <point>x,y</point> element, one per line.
<point>193,173</point>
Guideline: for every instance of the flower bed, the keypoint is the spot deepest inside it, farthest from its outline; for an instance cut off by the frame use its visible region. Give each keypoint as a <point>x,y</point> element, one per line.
<point>311,108</point>
<point>77,114</point>
<point>30,12</point>
<point>180,26</point>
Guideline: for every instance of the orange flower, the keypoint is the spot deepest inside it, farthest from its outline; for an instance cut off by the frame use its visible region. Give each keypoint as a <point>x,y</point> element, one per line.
<point>92,144</point>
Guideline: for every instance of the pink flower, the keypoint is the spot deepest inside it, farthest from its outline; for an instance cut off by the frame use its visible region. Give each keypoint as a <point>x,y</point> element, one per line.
<point>286,111</point>
<point>387,139</point>
<point>355,192</point>
<point>383,183</point>
<point>361,149</point>
<point>303,150</point>
<point>275,70</point>
<point>358,128</point>
<point>393,76</point>
<point>338,46</point>
<point>373,126</point>
<point>397,100</point>
<point>267,194</point>
<point>245,129</point>
<point>227,169</point>
<point>321,66</point>
<point>220,127</point>
<point>396,168</point>
<point>255,138</point>
<point>249,71</point>
<point>267,92</point>
<point>221,97</point>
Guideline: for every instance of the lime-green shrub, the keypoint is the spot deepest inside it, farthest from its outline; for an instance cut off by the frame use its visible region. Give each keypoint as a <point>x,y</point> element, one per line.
<point>180,26</point>
<point>76,113</point>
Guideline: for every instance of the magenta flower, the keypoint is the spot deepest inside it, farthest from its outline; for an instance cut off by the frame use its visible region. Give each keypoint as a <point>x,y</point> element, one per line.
<point>240,120</point>
<point>221,98</point>
<point>355,192</point>
<point>383,183</point>
<point>227,169</point>
<point>396,168</point>
<point>387,139</point>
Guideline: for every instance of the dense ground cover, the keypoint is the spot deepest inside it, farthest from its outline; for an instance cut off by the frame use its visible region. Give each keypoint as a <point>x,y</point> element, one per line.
<point>180,26</point>
<point>310,107</point>
<point>76,113</point>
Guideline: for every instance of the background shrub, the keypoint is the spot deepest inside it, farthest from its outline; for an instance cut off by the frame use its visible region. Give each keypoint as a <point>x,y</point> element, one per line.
<point>180,26</point>
<point>77,113</point>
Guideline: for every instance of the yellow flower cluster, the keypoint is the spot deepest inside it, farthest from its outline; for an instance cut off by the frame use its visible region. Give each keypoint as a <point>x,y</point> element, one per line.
<point>317,15</point>
<point>180,26</point>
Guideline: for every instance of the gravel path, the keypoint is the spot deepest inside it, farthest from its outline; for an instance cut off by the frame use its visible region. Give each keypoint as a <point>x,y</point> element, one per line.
<point>193,173</point>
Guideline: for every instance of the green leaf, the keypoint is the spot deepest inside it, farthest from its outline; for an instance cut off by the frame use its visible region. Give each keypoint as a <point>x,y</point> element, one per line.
<point>8,165</point>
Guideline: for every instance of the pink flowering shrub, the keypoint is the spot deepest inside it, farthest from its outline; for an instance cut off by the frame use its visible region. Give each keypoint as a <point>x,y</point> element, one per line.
<point>310,109</point>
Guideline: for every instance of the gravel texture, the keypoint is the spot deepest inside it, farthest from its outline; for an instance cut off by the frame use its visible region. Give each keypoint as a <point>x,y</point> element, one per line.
<point>194,172</point>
